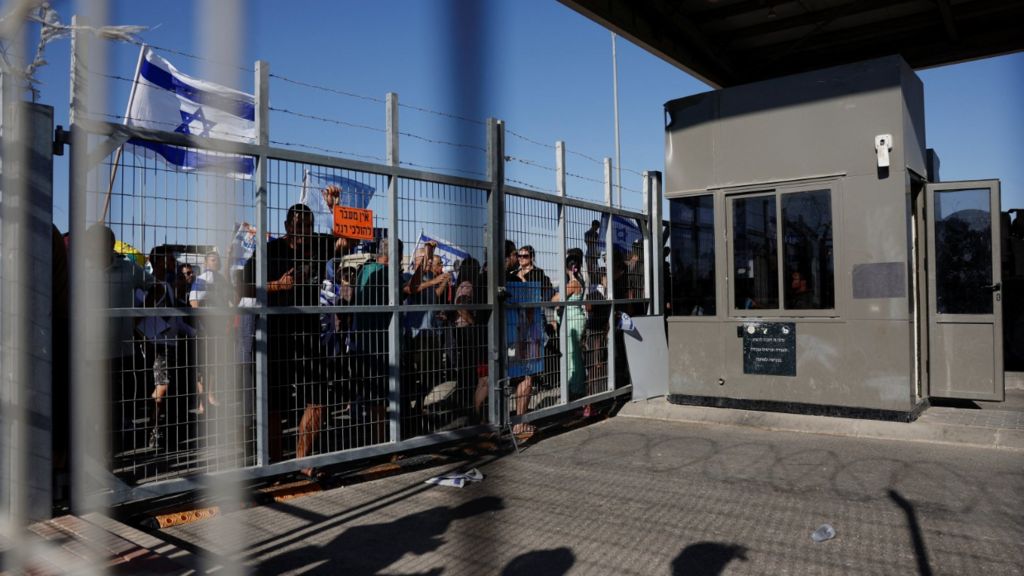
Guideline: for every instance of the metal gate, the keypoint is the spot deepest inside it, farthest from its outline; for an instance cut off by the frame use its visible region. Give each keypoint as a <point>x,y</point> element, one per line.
<point>257,343</point>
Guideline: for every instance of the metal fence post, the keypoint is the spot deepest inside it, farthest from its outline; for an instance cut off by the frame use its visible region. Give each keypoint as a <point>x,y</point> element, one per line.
<point>394,276</point>
<point>89,327</point>
<point>648,241</point>
<point>657,290</point>
<point>609,270</point>
<point>26,213</point>
<point>563,329</point>
<point>262,227</point>
<point>495,242</point>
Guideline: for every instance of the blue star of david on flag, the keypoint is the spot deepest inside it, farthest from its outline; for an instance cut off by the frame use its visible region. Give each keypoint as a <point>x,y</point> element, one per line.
<point>163,98</point>
<point>197,116</point>
<point>625,231</point>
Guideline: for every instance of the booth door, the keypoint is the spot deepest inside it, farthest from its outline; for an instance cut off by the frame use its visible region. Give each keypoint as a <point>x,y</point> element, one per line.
<point>964,291</point>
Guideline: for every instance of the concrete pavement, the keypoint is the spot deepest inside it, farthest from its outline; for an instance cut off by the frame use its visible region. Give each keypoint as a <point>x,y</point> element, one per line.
<point>660,489</point>
<point>640,496</point>
<point>978,424</point>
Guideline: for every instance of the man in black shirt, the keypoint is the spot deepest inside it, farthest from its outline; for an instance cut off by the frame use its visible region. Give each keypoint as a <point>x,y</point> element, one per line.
<point>295,263</point>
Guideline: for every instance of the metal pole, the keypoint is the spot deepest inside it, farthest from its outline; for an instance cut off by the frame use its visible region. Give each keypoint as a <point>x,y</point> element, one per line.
<point>262,79</point>
<point>563,328</point>
<point>15,318</point>
<point>496,265</point>
<point>90,327</point>
<point>615,96</point>
<point>120,149</point>
<point>648,244</point>
<point>657,244</point>
<point>609,271</point>
<point>394,276</point>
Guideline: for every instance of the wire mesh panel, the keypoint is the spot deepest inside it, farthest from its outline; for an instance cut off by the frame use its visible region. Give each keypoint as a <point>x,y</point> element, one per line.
<point>587,319</point>
<point>533,281</point>
<point>161,243</point>
<point>444,282</point>
<point>326,366</point>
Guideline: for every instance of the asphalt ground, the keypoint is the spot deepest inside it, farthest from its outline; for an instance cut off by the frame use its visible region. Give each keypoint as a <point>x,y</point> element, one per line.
<point>640,496</point>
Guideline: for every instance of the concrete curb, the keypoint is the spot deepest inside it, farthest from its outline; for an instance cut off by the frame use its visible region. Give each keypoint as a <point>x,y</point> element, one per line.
<point>922,430</point>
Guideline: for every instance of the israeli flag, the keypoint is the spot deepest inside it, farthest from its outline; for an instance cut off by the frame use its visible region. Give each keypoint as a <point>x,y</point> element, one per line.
<point>314,194</point>
<point>451,255</point>
<point>163,98</point>
<point>625,232</point>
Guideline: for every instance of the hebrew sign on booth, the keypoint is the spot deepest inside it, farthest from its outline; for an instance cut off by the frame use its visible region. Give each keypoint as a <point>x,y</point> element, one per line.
<point>354,223</point>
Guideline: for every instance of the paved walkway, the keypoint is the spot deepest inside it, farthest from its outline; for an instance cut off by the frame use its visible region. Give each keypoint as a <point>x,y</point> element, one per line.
<point>647,497</point>
<point>660,489</point>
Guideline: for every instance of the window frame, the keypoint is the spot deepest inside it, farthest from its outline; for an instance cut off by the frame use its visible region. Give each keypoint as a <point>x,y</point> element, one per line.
<point>716,226</point>
<point>778,190</point>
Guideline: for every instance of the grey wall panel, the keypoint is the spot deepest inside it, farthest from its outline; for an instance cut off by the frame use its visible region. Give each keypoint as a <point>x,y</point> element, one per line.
<point>822,122</point>
<point>862,364</point>
<point>973,348</point>
<point>914,143</point>
<point>647,351</point>
<point>695,357</point>
<point>874,230</point>
<point>694,154</point>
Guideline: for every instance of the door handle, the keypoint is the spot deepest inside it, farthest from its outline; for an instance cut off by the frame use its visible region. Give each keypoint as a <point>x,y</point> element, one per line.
<point>995,287</point>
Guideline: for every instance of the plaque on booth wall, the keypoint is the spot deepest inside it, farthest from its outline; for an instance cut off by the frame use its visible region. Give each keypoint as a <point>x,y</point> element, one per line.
<point>769,348</point>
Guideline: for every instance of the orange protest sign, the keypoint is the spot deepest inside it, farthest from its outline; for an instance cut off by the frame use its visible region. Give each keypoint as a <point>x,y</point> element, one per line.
<point>354,223</point>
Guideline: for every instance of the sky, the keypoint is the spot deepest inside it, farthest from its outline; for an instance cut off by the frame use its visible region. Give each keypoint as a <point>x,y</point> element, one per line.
<point>543,69</point>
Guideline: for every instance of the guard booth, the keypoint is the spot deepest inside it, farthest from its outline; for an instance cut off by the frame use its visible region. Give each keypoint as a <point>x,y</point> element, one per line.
<point>814,265</point>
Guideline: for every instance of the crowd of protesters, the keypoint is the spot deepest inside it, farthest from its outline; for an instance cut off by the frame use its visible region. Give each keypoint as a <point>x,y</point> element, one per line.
<point>330,365</point>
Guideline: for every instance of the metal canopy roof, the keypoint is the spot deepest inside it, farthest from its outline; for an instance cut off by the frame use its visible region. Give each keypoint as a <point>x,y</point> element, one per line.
<point>729,42</point>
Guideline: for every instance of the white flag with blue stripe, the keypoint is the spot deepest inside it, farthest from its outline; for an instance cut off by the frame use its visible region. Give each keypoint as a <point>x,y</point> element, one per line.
<point>625,232</point>
<point>165,99</point>
<point>451,255</point>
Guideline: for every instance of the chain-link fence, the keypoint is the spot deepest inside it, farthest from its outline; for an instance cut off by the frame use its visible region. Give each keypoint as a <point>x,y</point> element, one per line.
<point>315,309</point>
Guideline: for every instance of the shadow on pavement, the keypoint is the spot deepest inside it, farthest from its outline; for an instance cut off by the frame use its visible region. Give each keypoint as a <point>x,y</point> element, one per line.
<point>706,558</point>
<point>371,548</point>
<point>920,552</point>
<point>556,562</point>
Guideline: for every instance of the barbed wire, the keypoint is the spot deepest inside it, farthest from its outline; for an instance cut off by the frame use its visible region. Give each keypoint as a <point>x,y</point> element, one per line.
<point>193,56</point>
<point>528,186</point>
<point>443,114</point>
<point>377,99</point>
<point>530,163</point>
<point>570,151</point>
<point>530,140</point>
<point>585,178</point>
<point>446,143</point>
<point>324,119</point>
<point>585,157</point>
<point>441,168</point>
<point>328,150</point>
<point>111,76</point>
<point>373,128</point>
<point>328,89</point>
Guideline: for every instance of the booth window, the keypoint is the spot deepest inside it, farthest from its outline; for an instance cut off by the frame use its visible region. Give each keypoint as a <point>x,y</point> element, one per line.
<point>799,264</point>
<point>963,252</point>
<point>809,282</point>
<point>691,278</point>
<point>755,253</point>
